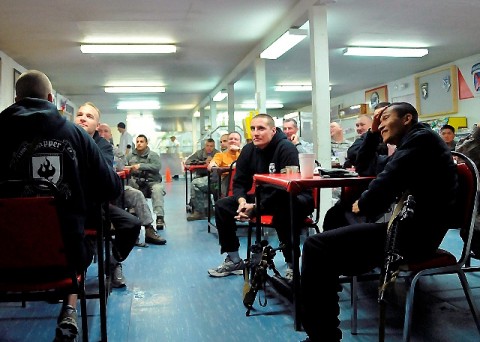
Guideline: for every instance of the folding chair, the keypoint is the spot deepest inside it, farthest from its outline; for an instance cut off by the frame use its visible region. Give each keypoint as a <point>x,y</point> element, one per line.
<point>101,234</point>
<point>34,266</point>
<point>444,262</point>
<point>266,219</point>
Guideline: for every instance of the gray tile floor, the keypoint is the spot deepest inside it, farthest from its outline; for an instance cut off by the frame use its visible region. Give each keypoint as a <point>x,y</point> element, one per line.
<point>170,297</point>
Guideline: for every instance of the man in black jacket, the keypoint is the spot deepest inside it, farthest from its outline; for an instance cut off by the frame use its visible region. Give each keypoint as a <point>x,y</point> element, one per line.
<point>35,133</point>
<point>421,165</point>
<point>341,214</point>
<point>127,226</point>
<point>270,150</point>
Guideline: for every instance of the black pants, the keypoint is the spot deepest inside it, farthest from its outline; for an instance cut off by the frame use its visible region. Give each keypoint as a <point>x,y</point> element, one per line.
<point>277,205</point>
<point>127,227</point>
<point>350,250</point>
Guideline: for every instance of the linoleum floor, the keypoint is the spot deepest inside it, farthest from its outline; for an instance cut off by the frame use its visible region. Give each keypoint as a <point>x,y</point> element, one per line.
<point>170,297</point>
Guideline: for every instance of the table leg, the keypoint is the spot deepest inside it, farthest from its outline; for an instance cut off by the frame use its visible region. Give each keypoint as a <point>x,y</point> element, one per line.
<point>295,238</point>
<point>209,200</point>
<point>186,187</point>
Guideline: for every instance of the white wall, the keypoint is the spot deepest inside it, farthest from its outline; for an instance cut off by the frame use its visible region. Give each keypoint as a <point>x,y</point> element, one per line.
<point>6,81</point>
<point>404,89</point>
<point>7,84</point>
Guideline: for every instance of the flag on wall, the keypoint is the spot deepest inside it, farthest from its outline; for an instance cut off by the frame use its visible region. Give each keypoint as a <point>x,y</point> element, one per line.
<point>469,80</point>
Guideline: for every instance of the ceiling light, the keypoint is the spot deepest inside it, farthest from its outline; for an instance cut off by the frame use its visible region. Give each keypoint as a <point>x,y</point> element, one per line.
<point>196,114</point>
<point>152,104</point>
<point>220,96</point>
<point>293,87</point>
<point>135,89</point>
<point>128,48</point>
<point>288,40</point>
<point>269,105</point>
<point>385,52</point>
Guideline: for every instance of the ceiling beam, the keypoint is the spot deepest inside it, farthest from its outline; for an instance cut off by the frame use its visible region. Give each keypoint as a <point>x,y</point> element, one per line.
<point>299,11</point>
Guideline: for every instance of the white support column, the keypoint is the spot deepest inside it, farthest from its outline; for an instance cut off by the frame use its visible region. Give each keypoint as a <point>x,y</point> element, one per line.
<point>231,107</point>
<point>317,16</point>
<point>213,114</point>
<point>260,86</point>
<point>195,136</point>
<point>202,122</point>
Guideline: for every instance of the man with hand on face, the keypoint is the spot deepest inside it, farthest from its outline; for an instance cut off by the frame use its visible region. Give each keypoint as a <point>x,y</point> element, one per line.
<point>270,146</point>
<point>363,124</point>
<point>359,248</point>
<point>290,128</point>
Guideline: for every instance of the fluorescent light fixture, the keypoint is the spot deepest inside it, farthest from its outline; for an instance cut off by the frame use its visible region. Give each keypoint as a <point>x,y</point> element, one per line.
<point>294,87</point>
<point>288,40</point>
<point>135,89</point>
<point>385,52</point>
<point>196,114</point>
<point>220,96</point>
<point>128,48</point>
<point>269,105</point>
<point>151,104</point>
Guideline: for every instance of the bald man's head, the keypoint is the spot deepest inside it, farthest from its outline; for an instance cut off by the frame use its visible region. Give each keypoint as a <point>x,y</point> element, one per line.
<point>105,131</point>
<point>35,84</point>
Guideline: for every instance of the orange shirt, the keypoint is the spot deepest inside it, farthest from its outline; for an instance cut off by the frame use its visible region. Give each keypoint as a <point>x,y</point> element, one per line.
<point>226,158</point>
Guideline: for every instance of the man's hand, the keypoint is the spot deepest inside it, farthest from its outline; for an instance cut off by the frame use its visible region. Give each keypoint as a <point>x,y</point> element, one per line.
<point>133,167</point>
<point>294,139</point>
<point>244,211</point>
<point>208,160</point>
<point>211,165</point>
<point>376,119</point>
<point>355,208</point>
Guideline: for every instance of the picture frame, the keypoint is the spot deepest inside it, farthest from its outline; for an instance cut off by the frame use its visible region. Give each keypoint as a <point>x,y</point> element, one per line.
<point>375,96</point>
<point>16,76</point>
<point>436,92</point>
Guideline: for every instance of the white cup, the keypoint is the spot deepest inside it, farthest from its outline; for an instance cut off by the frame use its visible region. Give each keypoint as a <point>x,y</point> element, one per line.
<point>307,164</point>
<point>341,157</point>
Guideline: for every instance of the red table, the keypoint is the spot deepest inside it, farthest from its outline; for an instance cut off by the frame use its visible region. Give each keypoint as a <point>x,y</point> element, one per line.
<point>191,169</point>
<point>293,184</point>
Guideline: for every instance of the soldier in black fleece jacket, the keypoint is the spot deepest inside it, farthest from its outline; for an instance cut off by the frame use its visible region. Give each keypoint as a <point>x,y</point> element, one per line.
<point>39,143</point>
<point>422,165</point>
<point>269,145</point>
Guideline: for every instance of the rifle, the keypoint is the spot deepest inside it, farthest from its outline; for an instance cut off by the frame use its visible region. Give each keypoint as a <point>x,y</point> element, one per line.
<point>261,262</point>
<point>403,211</point>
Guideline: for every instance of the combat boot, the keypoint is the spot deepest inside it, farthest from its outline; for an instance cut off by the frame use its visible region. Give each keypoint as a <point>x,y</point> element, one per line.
<point>152,237</point>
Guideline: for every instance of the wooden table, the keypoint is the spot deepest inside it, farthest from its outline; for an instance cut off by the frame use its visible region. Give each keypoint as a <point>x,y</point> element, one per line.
<point>293,184</point>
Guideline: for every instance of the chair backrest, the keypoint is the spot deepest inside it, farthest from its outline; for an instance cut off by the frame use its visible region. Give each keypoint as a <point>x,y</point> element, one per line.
<point>465,210</point>
<point>231,176</point>
<point>32,239</point>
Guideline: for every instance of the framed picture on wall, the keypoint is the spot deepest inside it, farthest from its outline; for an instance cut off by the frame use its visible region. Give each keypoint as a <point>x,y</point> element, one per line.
<point>375,96</point>
<point>436,91</point>
<point>16,75</point>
